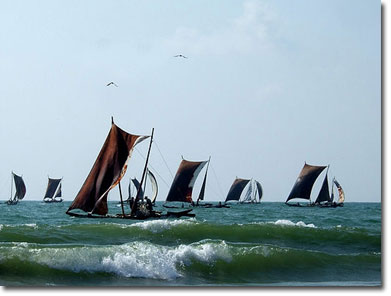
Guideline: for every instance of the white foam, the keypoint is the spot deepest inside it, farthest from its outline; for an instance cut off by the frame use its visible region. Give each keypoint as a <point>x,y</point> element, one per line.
<point>290,223</point>
<point>136,259</point>
<point>156,226</point>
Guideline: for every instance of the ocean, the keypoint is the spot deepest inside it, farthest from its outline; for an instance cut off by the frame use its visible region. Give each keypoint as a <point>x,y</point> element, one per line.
<point>266,244</point>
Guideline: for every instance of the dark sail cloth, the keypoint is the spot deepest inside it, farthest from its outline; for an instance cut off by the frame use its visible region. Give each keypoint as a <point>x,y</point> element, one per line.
<point>304,183</point>
<point>107,171</point>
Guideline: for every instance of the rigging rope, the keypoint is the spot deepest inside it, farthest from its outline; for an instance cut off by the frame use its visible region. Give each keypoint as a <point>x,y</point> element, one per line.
<point>163,159</point>
<point>217,180</point>
<point>157,173</point>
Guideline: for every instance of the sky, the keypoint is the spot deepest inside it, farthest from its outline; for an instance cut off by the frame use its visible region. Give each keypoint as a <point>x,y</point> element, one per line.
<point>266,87</point>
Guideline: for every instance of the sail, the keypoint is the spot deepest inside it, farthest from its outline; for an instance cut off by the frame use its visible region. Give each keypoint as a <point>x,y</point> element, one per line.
<point>137,185</point>
<point>182,186</point>
<point>52,188</point>
<point>59,192</point>
<point>259,189</point>
<point>249,193</point>
<point>202,191</point>
<point>340,192</point>
<point>20,187</point>
<point>304,183</point>
<point>107,171</point>
<point>324,193</point>
<point>154,186</point>
<point>236,189</point>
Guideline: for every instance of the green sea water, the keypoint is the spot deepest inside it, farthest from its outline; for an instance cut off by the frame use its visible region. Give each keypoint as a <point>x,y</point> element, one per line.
<point>266,244</point>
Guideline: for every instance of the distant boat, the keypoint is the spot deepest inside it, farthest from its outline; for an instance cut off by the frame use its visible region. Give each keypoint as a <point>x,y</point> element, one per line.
<point>254,190</point>
<point>303,187</point>
<point>325,200</point>
<point>53,191</point>
<point>136,184</point>
<point>20,189</point>
<point>106,173</point>
<point>181,189</point>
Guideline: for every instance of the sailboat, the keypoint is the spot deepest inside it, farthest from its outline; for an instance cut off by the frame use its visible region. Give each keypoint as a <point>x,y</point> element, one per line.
<point>136,184</point>
<point>181,189</point>
<point>236,189</point>
<point>254,190</point>
<point>20,189</point>
<point>325,200</point>
<point>53,191</point>
<point>303,187</point>
<point>106,173</point>
<point>304,183</point>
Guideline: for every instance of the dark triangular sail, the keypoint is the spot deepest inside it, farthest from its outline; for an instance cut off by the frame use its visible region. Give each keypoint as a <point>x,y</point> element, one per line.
<point>136,184</point>
<point>202,191</point>
<point>19,186</point>
<point>236,189</point>
<point>182,186</point>
<point>304,183</point>
<point>107,171</point>
<point>324,193</point>
<point>259,189</point>
<point>51,189</point>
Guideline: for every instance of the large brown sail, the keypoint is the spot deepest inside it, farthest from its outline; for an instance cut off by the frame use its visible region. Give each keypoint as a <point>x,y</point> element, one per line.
<point>304,183</point>
<point>236,189</point>
<point>107,171</point>
<point>182,186</point>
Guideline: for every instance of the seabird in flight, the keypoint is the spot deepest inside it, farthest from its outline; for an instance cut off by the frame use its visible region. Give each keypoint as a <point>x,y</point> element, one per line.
<point>180,56</point>
<point>111,83</point>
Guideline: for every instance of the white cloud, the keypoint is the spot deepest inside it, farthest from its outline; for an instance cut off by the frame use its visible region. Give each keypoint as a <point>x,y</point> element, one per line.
<point>247,33</point>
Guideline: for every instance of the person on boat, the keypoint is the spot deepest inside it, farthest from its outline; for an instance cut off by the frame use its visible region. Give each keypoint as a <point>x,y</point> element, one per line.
<point>149,204</point>
<point>131,200</point>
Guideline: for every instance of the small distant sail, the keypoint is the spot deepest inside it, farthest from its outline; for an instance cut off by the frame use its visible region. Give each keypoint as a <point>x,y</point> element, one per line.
<point>340,192</point>
<point>154,186</point>
<point>304,183</point>
<point>107,171</point>
<point>137,185</point>
<point>249,194</point>
<point>59,192</point>
<point>259,189</point>
<point>20,187</point>
<point>202,191</point>
<point>182,187</point>
<point>236,189</point>
<point>324,193</point>
<point>53,189</point>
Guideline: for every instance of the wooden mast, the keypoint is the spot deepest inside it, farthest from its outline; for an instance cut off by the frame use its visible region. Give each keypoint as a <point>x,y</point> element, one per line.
<point>143,176</point>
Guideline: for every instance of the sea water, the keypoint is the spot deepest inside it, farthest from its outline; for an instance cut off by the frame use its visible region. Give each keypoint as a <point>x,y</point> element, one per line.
<point>266,244</point>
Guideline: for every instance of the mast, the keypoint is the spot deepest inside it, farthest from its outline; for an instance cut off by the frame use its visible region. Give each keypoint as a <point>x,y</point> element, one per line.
<point>143,176</point>
<point>120,196</point>
<point>12,173</point>
<point>202,191</point>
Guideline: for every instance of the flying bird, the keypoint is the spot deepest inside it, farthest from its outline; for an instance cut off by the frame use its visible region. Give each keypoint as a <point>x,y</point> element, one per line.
<point>111,83</point>
<point>180,56</point>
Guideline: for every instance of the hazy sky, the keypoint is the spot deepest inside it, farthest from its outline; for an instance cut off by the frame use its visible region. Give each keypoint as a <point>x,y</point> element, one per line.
<point>267,86</point>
